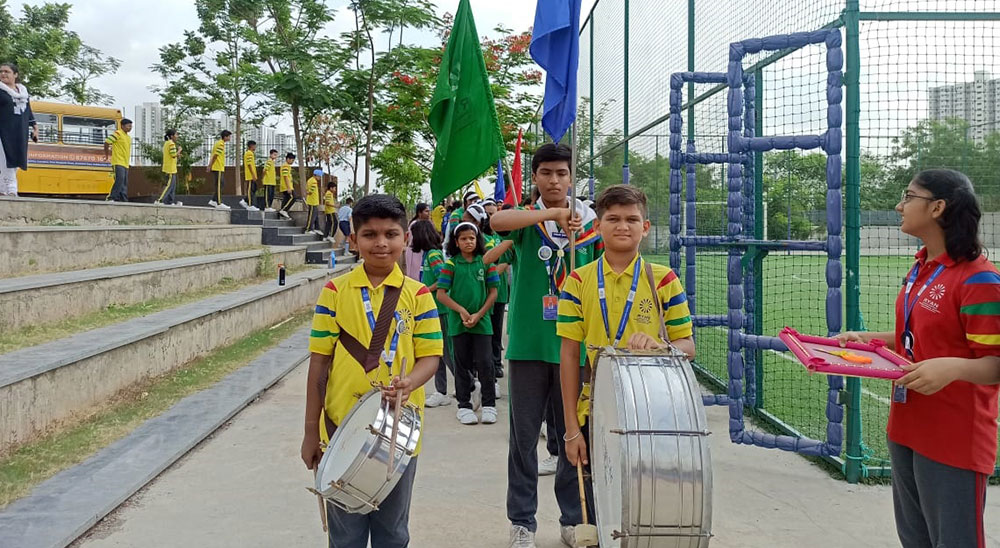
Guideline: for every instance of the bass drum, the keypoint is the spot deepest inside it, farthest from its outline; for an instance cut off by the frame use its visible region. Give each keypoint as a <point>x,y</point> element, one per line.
<point>649,456</point>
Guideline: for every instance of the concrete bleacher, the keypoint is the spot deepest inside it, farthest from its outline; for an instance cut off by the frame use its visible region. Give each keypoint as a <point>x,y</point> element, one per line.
<point>54,269</point>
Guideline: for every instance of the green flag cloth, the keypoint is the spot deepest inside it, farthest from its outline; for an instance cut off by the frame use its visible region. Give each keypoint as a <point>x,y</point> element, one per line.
<point>463,115</point>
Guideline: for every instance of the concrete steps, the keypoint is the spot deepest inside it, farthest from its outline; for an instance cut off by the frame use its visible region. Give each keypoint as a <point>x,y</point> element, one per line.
<point>44,298</point>
<point>48,384</point>
<point>276,230</point>
<point>35,249</point>
<point>55,212</point>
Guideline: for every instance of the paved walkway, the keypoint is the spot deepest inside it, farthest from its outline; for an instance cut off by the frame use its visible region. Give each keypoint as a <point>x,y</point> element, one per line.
<point>245,487</point>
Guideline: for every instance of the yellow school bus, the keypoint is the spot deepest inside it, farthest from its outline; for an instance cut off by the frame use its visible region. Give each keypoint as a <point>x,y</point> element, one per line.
<point>68,159</point>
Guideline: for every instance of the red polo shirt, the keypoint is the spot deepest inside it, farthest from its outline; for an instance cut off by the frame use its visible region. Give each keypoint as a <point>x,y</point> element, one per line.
<point>957,316</point>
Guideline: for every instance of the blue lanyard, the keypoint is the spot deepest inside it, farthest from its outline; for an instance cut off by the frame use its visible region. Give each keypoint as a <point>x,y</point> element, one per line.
<point>389,356</point>
<point>628,303</point>
<point>909,304</point>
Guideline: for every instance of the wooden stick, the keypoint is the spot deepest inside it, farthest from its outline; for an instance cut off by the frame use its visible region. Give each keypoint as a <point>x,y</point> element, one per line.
<point>583,496</point>
<point>322,504</point>
<point>395,422</point>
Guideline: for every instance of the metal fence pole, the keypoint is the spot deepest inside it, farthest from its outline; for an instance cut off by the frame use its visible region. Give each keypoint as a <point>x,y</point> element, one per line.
<point>758,233</point>
<point>625,175</point>
<point>853,463</point>
<point>592,122</point>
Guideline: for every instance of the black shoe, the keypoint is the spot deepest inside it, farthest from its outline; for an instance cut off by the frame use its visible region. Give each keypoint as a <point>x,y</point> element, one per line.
<point>498,371</point>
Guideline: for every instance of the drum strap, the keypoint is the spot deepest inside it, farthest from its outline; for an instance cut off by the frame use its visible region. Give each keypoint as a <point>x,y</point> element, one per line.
<point>369,357</point>
<point>656,299</point>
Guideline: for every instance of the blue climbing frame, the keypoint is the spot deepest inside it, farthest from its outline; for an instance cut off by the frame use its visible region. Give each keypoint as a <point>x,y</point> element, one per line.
<point>743,144</point>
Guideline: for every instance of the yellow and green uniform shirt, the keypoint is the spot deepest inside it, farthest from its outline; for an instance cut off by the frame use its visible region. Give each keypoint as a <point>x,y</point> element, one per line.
<point>503,290</point>
<point>430,272</point>
<point>468,283</point>
<point>286,177</point>
<point>169,157</point>
<point>269,178</point>
<point>340,308</point>
<point>219,155</point>
<point>121,148</point>
<point>580,317</point>
<point>249,165</point>
<point>312,192</point>
<point>329,203</point>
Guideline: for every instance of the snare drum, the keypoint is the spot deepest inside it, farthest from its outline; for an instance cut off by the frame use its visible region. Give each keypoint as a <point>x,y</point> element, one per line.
<point>352,474</point>
<point>649,455</point>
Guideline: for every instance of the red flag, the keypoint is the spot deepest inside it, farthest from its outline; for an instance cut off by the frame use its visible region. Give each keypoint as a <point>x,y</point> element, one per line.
<point>514,198</point>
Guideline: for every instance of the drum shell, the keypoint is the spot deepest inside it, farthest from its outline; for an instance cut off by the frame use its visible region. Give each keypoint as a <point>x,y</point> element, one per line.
<point>365,484</point>
<point>663,470</point>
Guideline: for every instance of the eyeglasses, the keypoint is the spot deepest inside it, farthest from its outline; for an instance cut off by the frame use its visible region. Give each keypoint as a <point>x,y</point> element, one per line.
<point>906,197</point>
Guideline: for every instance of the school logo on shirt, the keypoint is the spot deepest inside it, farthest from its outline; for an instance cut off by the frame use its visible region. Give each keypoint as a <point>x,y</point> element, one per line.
<point>407,316</point>
<point>936,292</point>
<point>479,275</point>
<point>645,312</point>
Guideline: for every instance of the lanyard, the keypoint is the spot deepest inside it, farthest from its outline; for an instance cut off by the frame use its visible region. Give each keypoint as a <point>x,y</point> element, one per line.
<point>389,356</point>
<point>628,303</point>
<point>909,304</point>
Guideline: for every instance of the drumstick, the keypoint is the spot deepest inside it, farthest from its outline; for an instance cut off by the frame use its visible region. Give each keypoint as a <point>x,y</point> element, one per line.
<point>586,534</point>
<point>322,504</point>
<point>395,421</point>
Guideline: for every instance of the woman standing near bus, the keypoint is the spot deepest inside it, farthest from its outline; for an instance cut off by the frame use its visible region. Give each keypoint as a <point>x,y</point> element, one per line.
<point>15,119</point>
<point>943,419</point>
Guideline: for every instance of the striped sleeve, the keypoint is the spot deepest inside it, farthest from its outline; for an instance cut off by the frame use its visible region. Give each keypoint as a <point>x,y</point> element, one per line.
<point>569,324</point>
<point>112,138</point>
<point>980,312</point>
<point>325,330</point>
<point>435,261</point>
<point>446,275</point>
<point>219,149</point>
<point>676,314</point>
<point>427,339</point>
<point>492,277</point>
<point>171,149</point>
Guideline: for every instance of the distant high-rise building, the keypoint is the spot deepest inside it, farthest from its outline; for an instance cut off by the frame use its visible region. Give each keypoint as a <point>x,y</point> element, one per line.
<point>150,120</point>
<point>977,102</point>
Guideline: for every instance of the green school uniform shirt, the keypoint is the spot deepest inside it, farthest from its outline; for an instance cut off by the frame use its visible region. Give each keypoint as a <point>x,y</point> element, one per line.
<point>467,283</point>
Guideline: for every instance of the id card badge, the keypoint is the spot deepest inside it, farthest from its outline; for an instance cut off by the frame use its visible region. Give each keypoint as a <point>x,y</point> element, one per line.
<point>550,308</point>
<point>898,393</point>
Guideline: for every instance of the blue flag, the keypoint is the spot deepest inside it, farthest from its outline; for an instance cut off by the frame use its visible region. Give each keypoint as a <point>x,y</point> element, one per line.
<point>555,46</point>
<point>500,188</point>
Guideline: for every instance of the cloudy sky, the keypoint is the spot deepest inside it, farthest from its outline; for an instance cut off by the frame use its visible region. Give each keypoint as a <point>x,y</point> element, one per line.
<point>133,30</point>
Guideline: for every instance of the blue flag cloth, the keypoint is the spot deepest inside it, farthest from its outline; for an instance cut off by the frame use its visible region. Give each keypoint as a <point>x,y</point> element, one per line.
<point>499,189</point>
<point>555,46</point>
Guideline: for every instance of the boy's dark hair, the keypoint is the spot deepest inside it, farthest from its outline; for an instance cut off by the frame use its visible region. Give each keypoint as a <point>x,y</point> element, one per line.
<point>251,143</point>
<point>330,185</point>
<point>621,195</point>
<point>272,151</point>
<point>126,121</point>
<point>454,251</point>
<point>349,200</point>
<point>225,133</point>
<point>170,133</point>
<point>290,156</point>
<point>960,219</point>
<point>378,206</point>
<point>424,237</point>
<point>550,152</point>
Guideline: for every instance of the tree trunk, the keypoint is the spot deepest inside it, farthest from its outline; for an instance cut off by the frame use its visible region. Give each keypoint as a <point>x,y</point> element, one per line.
<point>371,109</point>
<point>299,148</point>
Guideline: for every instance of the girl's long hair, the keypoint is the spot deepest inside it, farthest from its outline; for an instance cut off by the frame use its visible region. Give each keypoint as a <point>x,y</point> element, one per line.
<point>961,216</point>
<point>425,237</point>
<point>454,251</point>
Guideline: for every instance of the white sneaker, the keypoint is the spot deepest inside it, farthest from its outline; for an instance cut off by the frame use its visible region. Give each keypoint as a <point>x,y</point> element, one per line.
<point>489,415</point>
<point>467,416</point>
<point>521,537</point>
<point>285,214</point>
<point>437,400</point>
<point>178,204</point>
<point>253,208</point>
<point>547,466</point>
<point>157,203</point>
<point>223,207</point>
<point>212,203</point>
<point>244,204</point>
<point>318,233</point>
<point>568,535</point>
<point>269,210</point>
<point>477,397</point>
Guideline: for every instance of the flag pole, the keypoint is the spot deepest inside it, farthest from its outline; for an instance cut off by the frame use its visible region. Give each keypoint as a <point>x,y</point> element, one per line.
<point>572,199</point>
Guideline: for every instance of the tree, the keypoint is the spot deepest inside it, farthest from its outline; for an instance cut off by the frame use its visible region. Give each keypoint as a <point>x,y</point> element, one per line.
<point>189,139</point>
<point>54,62</point>
<point>214,69</point>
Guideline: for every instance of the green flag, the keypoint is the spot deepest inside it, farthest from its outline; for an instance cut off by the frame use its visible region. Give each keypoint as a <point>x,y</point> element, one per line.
<point>463,115</point>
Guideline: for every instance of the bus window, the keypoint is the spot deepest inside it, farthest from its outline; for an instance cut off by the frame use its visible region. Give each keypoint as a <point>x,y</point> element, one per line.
<point>48,127</point>
<point>78,130</point>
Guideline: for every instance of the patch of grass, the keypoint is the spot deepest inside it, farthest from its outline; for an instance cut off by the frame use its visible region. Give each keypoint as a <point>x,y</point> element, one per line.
<point>38,334</point>
<point>39,460</point>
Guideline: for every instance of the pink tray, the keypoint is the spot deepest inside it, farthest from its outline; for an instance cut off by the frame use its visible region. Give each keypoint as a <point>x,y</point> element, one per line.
<point>885,363</point>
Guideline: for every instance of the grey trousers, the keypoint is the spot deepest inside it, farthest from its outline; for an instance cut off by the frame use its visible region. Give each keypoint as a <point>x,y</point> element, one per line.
<point>389,527</point>
<point>534,388</point>
<point>936,505</point>
<point>119,190</point>
<point>167,196</point>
